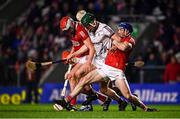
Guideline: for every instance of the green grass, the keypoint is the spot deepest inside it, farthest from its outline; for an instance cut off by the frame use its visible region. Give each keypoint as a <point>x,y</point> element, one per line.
<point>46,111</point>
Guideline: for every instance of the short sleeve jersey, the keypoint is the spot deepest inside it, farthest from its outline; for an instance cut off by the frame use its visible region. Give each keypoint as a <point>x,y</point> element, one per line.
<point>78,39</point>
<point>119,58</point>
<point>101,40</point>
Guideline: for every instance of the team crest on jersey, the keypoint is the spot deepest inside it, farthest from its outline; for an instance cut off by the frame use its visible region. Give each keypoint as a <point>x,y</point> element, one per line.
<point>75,43</point>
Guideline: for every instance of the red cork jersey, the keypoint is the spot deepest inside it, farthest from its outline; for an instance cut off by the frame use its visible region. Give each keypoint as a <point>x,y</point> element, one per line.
<point>118,58</point>
<point>80,36</point>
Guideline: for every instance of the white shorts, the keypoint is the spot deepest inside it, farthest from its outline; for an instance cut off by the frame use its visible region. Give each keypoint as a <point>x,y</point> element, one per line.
<point>111,72</point>
<point>98,63</point>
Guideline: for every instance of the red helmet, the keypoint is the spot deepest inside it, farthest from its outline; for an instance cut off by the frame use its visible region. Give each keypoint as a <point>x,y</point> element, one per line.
<point>66,23</point>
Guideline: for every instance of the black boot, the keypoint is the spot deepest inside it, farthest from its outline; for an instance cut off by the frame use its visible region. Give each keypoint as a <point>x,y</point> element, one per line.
<point>106,104</point>
<point>122,105</point>
<point>133,106</point>
<point>151,110</point>
<point>88,107</point>
<point>89,99</point>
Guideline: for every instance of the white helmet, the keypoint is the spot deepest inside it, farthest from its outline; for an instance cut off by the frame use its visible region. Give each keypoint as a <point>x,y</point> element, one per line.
<point>80,14</point>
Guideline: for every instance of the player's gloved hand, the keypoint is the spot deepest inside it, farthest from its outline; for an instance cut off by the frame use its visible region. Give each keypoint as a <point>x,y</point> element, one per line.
<point>70,58</point>
<point>72,61</point>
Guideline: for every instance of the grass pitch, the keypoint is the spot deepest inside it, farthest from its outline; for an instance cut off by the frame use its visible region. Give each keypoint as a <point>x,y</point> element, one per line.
<point>47,111</point>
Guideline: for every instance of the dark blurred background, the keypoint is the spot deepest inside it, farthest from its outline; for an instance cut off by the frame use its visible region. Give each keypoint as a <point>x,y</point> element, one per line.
<point>30,29</point>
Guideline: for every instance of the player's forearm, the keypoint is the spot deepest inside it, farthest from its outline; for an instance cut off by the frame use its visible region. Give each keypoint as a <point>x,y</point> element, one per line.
<point>123,46</point>
<point>82,50</point>
<point>116,41</point>
<point>72,50</point>
<point>91,54</point>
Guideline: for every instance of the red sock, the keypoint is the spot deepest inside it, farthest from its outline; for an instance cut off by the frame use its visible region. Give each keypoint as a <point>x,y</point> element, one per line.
<point>101,97</point>
<point>68,98</point>
<point>73,101</point>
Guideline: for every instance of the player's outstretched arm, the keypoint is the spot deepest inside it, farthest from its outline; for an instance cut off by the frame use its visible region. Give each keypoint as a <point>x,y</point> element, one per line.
<point>82,50</point>
<point>123,46</point>
<point>91,48</point>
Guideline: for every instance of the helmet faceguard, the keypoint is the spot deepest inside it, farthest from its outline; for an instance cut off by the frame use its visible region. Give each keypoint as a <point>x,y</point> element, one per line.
<point>126,26</point>
<point>66,23</point>
<point>89,21</point>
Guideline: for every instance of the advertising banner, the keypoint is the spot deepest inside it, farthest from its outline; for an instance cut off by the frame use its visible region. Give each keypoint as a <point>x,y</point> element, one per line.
<point>148,93</point>
<point>12,95</point>
<point>157,93</point>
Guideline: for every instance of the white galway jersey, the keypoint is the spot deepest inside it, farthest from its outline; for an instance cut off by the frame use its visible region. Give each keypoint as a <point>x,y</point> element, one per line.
<point>101,40</point>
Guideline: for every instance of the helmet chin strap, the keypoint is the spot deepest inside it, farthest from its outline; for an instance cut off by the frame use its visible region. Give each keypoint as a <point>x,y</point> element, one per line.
<point>73,27</point>
<point>127,34</point>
